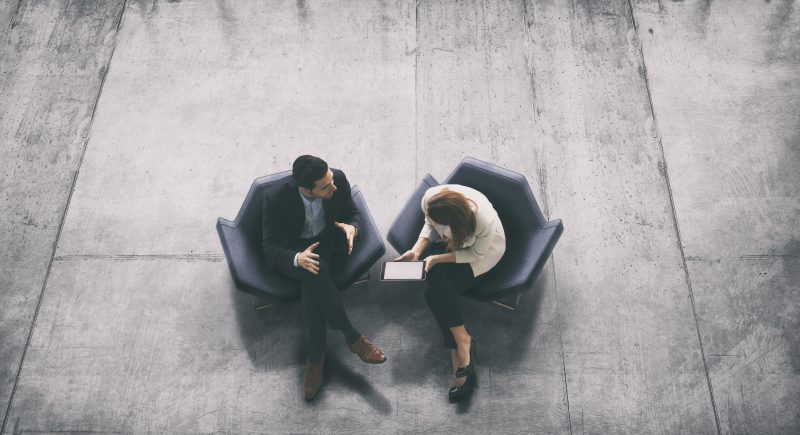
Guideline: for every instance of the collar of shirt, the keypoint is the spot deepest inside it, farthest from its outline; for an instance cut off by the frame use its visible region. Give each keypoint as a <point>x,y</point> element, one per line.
<point>443,230</point>
<point>307,201</point>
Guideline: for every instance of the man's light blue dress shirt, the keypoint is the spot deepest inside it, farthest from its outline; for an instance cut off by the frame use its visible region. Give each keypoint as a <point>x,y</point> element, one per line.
<point>315,219</point>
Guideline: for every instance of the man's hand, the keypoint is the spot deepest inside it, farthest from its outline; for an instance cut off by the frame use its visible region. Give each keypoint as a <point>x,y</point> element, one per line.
<point>410,255</point>
<point>349,232</point>
<point>308,260</point>
<point>430,261</point>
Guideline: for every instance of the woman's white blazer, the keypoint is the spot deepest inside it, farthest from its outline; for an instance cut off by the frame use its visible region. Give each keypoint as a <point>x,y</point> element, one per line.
<point>482,249</point>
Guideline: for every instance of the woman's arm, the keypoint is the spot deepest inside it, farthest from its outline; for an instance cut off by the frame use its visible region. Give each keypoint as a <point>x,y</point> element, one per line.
<point>421,245</point>
<point>415,253</point>
<point>433,260</point>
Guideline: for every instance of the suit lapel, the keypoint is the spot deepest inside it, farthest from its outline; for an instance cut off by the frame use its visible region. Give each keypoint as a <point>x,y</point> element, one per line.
<point>326,207</point>
<point>294,205</point>
<point>331,205</point>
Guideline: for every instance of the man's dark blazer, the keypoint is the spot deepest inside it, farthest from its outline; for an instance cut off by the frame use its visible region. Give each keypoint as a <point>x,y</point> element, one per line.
<point>283,216</point>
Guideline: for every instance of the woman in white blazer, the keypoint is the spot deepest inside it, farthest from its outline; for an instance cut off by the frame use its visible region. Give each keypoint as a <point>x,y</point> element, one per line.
<point>464,221</point>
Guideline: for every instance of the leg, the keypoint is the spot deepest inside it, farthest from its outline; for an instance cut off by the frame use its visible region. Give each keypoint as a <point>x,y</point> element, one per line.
<point>317,335</point>
<point>445,282</point>
<point>313,316</point>
<point>444,286</point>
<point>315,326</point>
<point>323,291</point>
<point>463,342</point>
<point>442,299</point>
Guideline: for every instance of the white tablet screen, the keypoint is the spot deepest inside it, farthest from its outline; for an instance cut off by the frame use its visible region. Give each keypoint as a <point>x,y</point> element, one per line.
<point>403,270</point>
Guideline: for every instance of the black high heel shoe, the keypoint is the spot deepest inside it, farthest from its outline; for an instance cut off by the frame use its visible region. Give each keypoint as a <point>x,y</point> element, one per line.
<point>458,392</point>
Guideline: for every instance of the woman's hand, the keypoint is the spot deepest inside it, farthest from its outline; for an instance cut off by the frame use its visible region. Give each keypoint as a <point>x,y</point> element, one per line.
<point>410,255</point>
<point>432,260</point>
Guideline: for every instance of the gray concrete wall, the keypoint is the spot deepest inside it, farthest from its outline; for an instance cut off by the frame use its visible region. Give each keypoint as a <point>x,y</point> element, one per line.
<point>664,134</point>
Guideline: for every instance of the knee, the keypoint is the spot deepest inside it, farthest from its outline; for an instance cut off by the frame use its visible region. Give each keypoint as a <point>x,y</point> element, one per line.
<point>437,275</point>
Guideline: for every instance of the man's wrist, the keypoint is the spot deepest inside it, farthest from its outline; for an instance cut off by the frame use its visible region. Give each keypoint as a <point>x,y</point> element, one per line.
<point>295,260</point>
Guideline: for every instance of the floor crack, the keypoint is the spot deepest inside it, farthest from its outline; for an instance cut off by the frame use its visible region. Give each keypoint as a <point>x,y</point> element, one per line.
<point>665,174</point>
<point>104,74</point>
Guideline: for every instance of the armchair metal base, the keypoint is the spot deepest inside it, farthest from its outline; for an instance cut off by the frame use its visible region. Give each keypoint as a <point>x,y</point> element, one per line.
<point>509,303</point>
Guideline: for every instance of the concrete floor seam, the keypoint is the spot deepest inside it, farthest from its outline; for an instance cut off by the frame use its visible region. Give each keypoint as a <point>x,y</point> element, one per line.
<point>675,218</point>
<point>561,341</point>
<point>543,196</point>
<point>63,218</point>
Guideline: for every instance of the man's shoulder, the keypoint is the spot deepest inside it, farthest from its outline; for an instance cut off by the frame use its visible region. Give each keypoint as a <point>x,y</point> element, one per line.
<point>338,174</point>
<point>281,190</point>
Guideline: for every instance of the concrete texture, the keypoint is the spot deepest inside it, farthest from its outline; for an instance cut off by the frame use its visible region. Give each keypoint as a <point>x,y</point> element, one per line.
<point>726,95</point>
<point>53,57</point>
<point>664,134</point>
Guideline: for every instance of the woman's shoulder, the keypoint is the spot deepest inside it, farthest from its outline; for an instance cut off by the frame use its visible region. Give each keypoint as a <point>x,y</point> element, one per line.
<point>433,190</point>
<point>429,193</point>
<point>460,188</point>
<point>472,194</point>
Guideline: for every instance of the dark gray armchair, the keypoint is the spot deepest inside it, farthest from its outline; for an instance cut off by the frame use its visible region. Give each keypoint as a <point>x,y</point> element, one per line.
<point>241,242</point>
<point>530,238</point>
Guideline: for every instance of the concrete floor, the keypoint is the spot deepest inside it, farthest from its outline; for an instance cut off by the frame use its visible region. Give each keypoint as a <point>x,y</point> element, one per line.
<point>663,133</point>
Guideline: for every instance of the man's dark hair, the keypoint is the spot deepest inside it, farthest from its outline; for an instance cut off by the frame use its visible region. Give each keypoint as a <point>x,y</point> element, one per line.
<point>308,169</point>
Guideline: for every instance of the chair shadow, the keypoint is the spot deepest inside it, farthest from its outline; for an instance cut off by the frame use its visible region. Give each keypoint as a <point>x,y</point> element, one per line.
<point>398,320</point>
<point>339,373</point>
<point>503,335</point>
<point>403,326</point>
<point>273,337</point>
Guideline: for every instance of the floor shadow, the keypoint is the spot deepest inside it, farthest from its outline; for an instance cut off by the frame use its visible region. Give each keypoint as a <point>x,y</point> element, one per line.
<point>274,337</point>
<point>506,336</point>
<point>398,317</point>
<point>463,405</point>
<point>339,373</point>
<point>398,320</point>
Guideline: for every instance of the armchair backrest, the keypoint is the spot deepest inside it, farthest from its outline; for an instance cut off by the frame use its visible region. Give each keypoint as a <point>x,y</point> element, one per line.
<point>508,192</point>
<point>249,217</point>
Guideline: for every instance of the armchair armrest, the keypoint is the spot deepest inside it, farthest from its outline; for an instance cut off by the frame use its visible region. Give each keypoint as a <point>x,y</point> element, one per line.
<point>404,231</point>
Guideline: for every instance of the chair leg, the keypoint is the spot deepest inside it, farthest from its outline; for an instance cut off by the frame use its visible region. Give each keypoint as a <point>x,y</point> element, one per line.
<point>262,304</point>
<point>509,303</point>
<point>364,278</point>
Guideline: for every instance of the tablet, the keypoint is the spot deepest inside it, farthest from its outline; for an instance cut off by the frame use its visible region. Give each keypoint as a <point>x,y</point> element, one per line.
<point>403,271</point>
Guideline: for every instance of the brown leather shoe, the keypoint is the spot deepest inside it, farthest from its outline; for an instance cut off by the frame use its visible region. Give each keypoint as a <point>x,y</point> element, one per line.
<point>368,352</point>
<point>313,379</point>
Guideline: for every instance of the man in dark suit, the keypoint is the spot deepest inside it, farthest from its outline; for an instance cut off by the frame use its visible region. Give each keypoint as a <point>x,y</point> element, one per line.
<point>304,222</point>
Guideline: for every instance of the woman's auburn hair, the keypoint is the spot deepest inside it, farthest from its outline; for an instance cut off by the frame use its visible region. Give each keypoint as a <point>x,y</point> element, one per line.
<point>452,208</point>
